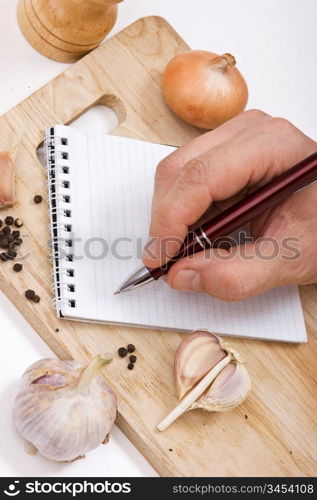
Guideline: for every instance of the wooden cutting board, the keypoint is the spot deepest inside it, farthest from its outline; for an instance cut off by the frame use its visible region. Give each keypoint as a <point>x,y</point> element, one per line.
<point>274,432</point>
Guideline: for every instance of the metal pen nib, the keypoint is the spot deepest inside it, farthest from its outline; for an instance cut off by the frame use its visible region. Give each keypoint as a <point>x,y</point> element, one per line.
<point>139,277</point>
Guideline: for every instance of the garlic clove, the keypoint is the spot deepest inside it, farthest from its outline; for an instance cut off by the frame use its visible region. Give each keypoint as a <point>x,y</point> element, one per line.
<point>64,409</point>
<point>29,448</point>
<point>53,379</point>
<point>7,179</point>
<point>196,355</point>
<point>188,400</point>
<point>222,388</point>
<point>230,388</point>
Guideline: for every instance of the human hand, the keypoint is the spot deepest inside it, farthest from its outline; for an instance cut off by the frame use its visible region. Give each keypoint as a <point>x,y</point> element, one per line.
<point>244,153</point>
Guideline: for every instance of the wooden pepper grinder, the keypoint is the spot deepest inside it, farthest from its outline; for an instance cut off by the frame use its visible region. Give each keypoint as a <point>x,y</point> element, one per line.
<point>65,30</point>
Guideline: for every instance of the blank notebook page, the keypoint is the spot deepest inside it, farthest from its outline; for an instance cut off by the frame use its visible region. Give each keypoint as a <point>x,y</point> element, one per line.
<point>109,184</point>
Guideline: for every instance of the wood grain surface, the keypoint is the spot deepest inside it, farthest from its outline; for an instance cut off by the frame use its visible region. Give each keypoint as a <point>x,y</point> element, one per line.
<point>274,432</point>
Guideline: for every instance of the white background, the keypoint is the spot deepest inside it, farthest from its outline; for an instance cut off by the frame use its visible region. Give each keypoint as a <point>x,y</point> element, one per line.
<point>275,44</point>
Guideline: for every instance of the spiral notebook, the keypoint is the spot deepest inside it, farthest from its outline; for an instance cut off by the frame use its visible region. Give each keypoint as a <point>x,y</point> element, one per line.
<point>100,190</point>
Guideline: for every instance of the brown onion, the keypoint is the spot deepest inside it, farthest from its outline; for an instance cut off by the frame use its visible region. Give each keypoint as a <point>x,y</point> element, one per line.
<point>203,88</point>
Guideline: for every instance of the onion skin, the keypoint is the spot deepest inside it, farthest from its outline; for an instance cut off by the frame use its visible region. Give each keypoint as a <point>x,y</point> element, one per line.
<point>203,88</point>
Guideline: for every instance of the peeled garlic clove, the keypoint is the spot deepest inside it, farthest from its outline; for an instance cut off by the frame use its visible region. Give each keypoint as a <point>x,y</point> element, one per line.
<point>230,388</point>
<point>7,179</point>
<point>198,353</point>
<point>63,408</point>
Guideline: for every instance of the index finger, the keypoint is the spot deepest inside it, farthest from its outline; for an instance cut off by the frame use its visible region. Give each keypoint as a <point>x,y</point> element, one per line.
<point>169,168</point>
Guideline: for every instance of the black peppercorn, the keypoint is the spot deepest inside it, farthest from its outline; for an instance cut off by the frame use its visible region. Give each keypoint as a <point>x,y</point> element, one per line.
<point>131,348</point>
<point>36,299</point>
<point>15,234</point>
<point>122,352</point>
<point>17,223</point>
<point>132,358</point>
<point>130,366</point>
<point>17,268</point>
<point>6,230</point>
<point>30,294</point>
<point>4,242</point>
<point>12,254</point>
<point>38,198</point>
<point>9,220</point>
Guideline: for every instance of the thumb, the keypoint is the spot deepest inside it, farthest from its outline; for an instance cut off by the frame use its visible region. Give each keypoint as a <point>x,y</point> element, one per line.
<point>230,275</point>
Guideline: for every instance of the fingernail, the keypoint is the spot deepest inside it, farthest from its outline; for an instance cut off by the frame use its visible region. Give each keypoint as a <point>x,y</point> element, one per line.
<point>187,280</point>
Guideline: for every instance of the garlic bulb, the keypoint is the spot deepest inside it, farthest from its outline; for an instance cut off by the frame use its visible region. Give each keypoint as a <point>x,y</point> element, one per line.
<point>209,375</point>
<point>7,178</point>
<point>63,409</point>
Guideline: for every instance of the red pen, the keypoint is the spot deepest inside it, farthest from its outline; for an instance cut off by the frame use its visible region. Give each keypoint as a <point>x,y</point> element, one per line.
<point>294,179</point>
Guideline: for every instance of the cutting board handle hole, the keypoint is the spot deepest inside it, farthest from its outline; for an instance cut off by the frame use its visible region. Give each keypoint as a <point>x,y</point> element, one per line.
<point>97,119</point>
<point>102,117</point>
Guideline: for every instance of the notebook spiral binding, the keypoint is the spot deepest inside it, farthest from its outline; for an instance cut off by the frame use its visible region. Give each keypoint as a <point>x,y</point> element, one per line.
<point>59,200</point>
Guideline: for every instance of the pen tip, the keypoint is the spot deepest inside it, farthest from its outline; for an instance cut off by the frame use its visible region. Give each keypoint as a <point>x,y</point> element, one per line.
<point>117,292</point>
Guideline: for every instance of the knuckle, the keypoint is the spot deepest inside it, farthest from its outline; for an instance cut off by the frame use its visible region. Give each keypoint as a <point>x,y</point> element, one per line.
<point>281,126</point>
<point>165,169</point>
<point>256,113</point>
<point>195,173</point>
